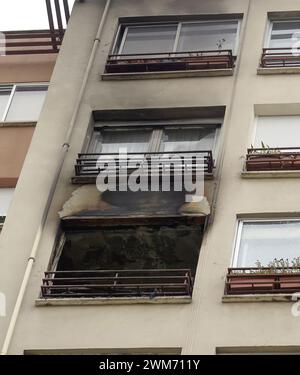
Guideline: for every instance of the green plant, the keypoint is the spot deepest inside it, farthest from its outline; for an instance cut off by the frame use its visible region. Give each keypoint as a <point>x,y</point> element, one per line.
<point>278,266</point>
<point>265,149</point>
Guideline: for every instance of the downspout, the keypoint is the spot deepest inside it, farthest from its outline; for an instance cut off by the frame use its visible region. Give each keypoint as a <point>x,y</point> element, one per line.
<point>64,150</point>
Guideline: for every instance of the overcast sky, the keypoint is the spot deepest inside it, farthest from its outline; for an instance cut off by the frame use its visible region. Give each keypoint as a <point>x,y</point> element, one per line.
<point>24,14</point>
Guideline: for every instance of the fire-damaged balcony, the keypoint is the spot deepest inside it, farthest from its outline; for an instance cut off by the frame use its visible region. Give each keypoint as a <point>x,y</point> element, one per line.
<point>273,159</point>
<point>266,280</point>
<point>115,260</point>
<point>175,61</point>
<point>89,165</point>
<point>279,58</point>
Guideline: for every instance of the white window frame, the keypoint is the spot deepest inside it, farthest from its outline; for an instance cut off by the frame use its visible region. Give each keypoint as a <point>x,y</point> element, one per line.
<point>117,50</point>
<point>239,229</point>
<point>157,128</point>
<point>270,28</point>
<point>14,87</point>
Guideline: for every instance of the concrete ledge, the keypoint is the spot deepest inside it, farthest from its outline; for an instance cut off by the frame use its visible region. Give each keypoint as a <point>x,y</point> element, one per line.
<point>258,298</point>
<point>271,174</point>
<point>269,71</point>
<point>167,74</point>
<point>112,301</point>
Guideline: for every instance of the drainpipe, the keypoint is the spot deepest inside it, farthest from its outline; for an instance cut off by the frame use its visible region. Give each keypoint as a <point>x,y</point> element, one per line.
<point>64,150</point>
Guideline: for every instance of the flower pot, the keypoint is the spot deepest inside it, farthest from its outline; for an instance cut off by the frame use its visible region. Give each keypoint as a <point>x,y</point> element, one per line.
<point>250,284</point>
<point>291,282</point>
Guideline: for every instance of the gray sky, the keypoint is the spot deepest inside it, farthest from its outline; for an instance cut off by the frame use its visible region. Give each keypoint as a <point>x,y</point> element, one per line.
<point>24,14</point>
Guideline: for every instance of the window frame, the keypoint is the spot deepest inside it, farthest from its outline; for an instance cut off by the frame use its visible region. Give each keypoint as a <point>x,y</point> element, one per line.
<point>270,28</point>
<point>121,34</point>
<point>157,131</point>
<point>239,229</point>
<point>14,87</point>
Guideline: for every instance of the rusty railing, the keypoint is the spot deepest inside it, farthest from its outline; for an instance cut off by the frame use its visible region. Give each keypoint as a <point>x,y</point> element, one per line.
<point>170,61</point>
<point>264,280</point>
<point>274,159</point>
<point>31,42</point>
<point>88,165</point>
<point>279,58</point>
<point>117,283</point>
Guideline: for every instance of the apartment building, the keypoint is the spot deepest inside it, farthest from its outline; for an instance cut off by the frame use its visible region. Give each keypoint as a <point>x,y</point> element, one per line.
<point>84,270</point>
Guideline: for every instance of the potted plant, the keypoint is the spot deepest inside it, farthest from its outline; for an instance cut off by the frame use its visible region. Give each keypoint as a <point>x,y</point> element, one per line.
<point>263,159</point>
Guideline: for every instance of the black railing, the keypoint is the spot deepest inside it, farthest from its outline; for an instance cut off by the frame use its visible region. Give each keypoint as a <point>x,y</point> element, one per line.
<point>170,61</point>
<point>280,58</point>
<point>264,280</point>
<point>88,165</point>
<point>117,283</point>
<point>31,42</point>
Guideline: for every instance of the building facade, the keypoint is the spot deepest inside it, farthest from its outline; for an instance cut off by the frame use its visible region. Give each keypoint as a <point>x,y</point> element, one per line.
<point>85,271</point>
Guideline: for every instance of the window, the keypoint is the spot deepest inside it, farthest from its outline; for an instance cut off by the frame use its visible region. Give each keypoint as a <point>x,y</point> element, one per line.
<point>5,199</point>
<point>264,240</point>
<point>156,138</point>
<point>21,102</point>
<point>283,34</point>
<point>178,37</point>
<point>277,131</point>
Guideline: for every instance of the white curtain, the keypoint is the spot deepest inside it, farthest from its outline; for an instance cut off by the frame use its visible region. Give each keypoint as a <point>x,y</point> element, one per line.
<point>6,195</point>
<point>284,34</point>
<point>265,241</point>
<point>208,36</point>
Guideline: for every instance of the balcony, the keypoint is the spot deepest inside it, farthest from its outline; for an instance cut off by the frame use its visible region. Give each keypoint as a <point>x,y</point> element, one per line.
<point>170,62</point>
<point>262,281</point>
<point>32,42</point>
<point>120,283</point>
<point>279,58</point>
<point>272,159</point>
<point>88,166</point>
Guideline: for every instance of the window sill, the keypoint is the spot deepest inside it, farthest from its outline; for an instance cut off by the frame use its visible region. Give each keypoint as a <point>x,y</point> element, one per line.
<point>17,123</point>
<point>167,74</point>
<point>279,70</point>
<point>284,297</point>
<point>271,174</point>
<point>112,301</point>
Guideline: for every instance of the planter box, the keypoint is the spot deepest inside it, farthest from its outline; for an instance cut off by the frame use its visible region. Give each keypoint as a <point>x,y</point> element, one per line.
<point>250,284</point>
<point>273,162</point>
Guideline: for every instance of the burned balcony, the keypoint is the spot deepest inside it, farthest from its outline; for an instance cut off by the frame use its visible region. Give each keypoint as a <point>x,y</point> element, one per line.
<point>266,280</point>
<point>118,283</point>
<point>175,61</point>
<point>273,159</point>
<point>279,58</point>
<point>89,165</point>
<point>113,258</point>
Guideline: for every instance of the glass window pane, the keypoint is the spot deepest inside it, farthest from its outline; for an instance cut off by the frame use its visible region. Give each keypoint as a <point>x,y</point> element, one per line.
<point>208,36</point>
<point>265,241</point>
<point>196,139</point>
<point>27,103</point>
<point>111,141</point>
<point>278,131</point>
<point>284,34</point>
<point>4,97</point>
<point>149,39</point>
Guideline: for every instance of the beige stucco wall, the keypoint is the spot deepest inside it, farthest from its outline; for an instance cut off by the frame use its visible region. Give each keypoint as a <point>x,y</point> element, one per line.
<point>206,323</point>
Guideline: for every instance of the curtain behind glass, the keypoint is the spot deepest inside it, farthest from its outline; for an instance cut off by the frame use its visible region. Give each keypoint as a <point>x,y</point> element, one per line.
<point>197,139</point>
<point>283,34</point>
<point>207,36</point>
<point>27,103</point>
<point>266,241</point>
<point>149,39</point>
<point>113,141</point>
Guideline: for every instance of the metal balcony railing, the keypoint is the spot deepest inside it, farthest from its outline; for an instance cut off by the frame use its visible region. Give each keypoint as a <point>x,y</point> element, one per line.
<point>117,283</point>
<point>152,162</point>
<point>273,159</point>
<point>262,280</point>
<point>171,61</point>
<point>279,58</point>
<point>31,42</point>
